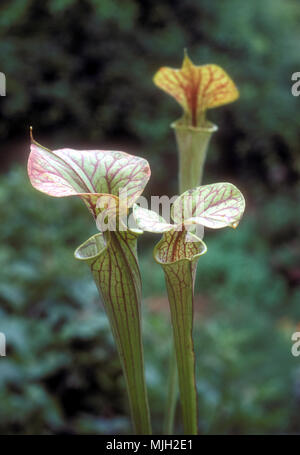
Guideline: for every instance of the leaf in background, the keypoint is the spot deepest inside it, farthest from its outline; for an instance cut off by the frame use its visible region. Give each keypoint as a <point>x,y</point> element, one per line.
<point>197,88</point>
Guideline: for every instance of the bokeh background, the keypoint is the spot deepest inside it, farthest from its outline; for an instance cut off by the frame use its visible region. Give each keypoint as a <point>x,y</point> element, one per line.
<point>81,73</point>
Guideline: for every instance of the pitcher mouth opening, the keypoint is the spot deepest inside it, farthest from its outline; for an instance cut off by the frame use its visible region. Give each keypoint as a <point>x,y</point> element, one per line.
<point>91,248</point>
<point>209,127</point>
<point>198,248</point>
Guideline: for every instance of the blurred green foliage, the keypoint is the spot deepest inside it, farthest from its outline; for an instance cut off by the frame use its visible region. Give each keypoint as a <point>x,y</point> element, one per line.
<point>59,342</point>
<point>82,71</point>
<point>61,373</point>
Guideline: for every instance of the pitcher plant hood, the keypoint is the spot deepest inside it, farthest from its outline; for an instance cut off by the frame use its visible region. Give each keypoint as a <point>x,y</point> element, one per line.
<point>197,88</point>
<point>93,175</point>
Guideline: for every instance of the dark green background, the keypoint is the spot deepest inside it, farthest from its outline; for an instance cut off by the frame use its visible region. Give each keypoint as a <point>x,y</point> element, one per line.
<point>81,73</point>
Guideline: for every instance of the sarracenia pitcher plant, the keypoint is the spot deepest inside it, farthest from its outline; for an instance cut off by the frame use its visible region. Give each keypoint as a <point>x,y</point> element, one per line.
<point>110,183</point>
<point>214,206</point>
<point>197,89</point>
<point>98,177</point>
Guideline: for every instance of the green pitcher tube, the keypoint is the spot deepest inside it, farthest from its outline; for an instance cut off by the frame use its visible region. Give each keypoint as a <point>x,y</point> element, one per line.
<point>192,143</point>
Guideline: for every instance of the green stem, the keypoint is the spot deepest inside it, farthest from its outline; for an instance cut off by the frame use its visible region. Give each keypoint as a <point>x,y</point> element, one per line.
<point>112,258</point>
<point>181,306</point>
<point>192,143</point>
<point>192,146</point>
<point>178,259</point>
<point>172,394</point>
